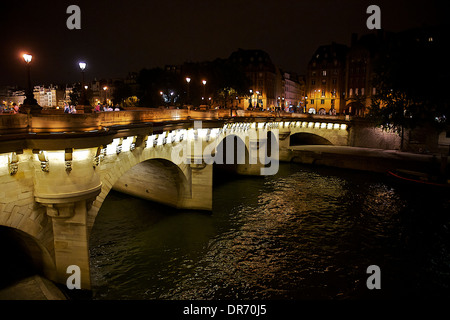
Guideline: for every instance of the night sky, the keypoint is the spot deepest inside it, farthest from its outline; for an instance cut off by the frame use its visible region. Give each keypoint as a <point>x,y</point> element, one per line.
<point>121,36</point>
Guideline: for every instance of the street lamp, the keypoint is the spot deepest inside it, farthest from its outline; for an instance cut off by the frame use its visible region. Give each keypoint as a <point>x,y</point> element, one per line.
<point>29,104</point>
<point>188,80</point>
<point>83,101</point>
<point>104,89</point>
<point>204,88</point>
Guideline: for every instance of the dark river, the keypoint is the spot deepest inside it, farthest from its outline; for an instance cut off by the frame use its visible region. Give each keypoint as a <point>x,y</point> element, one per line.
<point>305,233</point>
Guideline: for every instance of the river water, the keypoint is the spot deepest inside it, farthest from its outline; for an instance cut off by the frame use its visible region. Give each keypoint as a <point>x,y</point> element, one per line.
<point>305,233</point>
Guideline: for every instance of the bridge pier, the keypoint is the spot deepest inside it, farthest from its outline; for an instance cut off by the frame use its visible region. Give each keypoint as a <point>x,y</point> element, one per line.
<point>70,233</point>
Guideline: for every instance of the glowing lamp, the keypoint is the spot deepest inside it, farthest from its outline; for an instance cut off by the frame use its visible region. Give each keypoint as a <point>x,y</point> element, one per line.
<point>27,57</point>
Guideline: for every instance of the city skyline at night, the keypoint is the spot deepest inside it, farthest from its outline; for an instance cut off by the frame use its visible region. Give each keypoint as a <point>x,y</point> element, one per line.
<point>126,37</point>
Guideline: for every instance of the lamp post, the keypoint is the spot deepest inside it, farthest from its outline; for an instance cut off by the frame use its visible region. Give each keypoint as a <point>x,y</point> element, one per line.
<point>30,104</point>
<point>204,89</point>
<point>104,89</point>
<point>188,80</point>
<point>83,105</point>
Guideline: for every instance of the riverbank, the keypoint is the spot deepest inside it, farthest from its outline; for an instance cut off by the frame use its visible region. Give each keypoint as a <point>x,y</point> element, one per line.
<point>32,288</point>
<point>365,159</point>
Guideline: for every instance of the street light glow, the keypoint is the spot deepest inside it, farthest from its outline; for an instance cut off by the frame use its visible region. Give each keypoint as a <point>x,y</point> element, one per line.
<point>82,65</point>
<point>27,57</point>
<point>188,79</point>
<point>204,81</point>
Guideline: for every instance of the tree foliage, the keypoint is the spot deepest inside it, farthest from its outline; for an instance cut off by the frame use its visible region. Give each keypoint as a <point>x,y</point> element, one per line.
<point>411,81</point>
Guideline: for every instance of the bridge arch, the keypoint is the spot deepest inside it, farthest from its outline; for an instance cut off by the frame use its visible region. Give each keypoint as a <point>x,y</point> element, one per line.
<point>148,175</point>
<point>157,179</point>
<point>23,255</point>
<point>306,138</point>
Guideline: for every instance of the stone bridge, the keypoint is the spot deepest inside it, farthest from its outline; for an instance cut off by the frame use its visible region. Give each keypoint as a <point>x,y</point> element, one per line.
<point>57,169</point>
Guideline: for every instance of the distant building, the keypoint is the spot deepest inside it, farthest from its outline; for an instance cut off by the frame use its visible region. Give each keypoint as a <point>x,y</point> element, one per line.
<point>325,80</point>
<point>294,92</point>
<point>48,97</point>
<point>360,63</point>
<point>261,71</point>
<point>10,96</point>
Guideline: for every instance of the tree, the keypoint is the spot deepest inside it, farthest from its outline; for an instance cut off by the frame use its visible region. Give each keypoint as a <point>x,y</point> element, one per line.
<point>412,75</point>
<point>121,92</point>
<point>228,80</point>
<point>75,94</point>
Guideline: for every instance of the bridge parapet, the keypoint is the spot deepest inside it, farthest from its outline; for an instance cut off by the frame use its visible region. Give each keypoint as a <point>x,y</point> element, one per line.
<point>59,123</point>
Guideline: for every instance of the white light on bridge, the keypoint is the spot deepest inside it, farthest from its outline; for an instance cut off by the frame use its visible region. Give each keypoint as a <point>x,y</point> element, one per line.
<point>330,126</point>
<point>126,144</point>
<point>317,125</point>
<point>336,126</point>
<point>304,124</point>
<point>112,147</point>
<point>4,160</point>
<point>323,125</point>
<point>81,155</point>
<point>311,125</point>
<point>54,156</point>
<point>343,126</point>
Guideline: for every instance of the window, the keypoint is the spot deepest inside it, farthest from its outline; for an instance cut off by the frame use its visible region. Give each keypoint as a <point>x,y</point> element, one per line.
<point>334,80</point>
<point>356,91</point>
<point>374,91</point>
<point>312,101</point>
<point>324,73</point>
<point>323,93</point>
<point>350,92</point>
<point>313,73</point>
<point>313,81</point>
<point>324,81</point>
<point>362,91</point>
<point>322,101</point>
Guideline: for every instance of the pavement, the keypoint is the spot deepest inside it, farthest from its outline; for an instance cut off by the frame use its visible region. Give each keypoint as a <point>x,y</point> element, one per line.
<point>366,152</point>
<point>368,159</point>
<point>32,288</point>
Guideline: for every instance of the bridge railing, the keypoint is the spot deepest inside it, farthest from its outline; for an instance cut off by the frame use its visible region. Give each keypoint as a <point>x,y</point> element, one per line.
<point>61,122</point>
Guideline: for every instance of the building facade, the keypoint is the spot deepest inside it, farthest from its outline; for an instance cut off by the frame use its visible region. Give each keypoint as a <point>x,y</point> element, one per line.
<point>325,80</point>
<point>262,73</point>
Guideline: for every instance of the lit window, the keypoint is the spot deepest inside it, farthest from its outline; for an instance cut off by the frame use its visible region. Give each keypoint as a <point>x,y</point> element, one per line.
<point>324,73</point>
<point>322,101</point>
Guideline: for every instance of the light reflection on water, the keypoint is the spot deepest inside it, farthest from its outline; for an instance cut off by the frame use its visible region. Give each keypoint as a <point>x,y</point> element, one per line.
<point>304,233</point>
